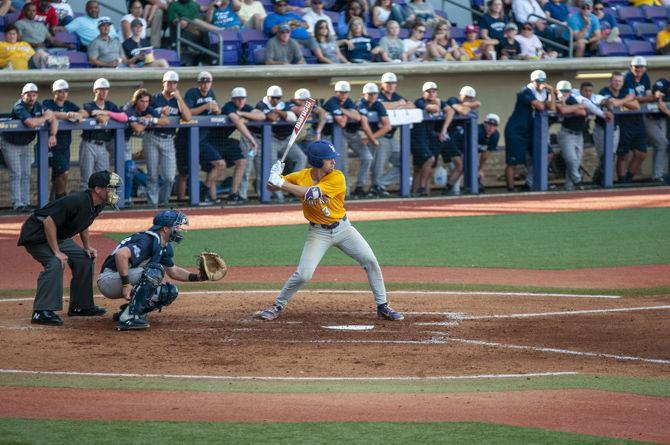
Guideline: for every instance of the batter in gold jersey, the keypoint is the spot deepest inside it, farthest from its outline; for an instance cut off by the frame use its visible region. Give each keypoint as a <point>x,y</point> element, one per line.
<point>321,190</point>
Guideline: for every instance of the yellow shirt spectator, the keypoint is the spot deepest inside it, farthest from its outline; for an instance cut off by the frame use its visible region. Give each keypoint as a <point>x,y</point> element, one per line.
<point>18,54</point>
<point>663,42</point>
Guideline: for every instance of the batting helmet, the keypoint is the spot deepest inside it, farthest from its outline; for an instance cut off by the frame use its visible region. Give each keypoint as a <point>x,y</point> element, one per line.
<point>317,151</point>
<point>173,219</point>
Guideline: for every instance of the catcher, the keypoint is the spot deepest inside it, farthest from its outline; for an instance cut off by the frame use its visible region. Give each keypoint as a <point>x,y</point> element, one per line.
<point>136,267</point>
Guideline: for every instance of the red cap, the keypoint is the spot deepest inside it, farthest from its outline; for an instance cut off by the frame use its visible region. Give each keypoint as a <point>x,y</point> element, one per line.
<point>471,28</point>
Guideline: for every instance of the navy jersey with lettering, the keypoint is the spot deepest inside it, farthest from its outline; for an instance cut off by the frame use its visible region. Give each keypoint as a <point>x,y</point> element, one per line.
<point>278,131</point>
<point>485,143</point>
<point>228,108</point>
<point>433,125</point>
<point>395,97</point>
<point>142,246</point>
<point>99,135</point>
<point>158,101</point>
<point>134,116</point>
<point>21,112</point>
<point>628,121</point>
<point>574,123</point>
<point>64,137</point>
<point>521,119</point>
<point>365,108</point>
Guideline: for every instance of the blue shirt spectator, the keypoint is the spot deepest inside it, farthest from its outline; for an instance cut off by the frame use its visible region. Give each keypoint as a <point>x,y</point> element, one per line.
<point>576,23</point>
<point>86,26</point>
<point>272,22</point>
<point>557,10</point>
<point>225,17</point>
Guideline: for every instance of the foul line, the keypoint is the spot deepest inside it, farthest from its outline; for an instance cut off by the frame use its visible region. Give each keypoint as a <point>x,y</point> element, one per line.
<point>222,377</point>
<point>561,351</point>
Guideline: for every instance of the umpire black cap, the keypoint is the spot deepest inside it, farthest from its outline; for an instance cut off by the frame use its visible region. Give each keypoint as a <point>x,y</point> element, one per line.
<point>103,179</point>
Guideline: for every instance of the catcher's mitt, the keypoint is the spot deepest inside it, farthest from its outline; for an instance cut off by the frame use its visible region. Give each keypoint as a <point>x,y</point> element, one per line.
<point>211,266</point>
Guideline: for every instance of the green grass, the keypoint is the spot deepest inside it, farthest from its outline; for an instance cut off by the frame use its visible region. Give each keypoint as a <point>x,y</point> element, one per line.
<point>642,386</point>
<point>29,431</point>
<point>529,241</point>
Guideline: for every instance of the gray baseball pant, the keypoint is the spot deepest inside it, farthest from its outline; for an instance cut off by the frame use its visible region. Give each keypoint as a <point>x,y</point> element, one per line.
<point>49,295</point>
<point>393,174</point>
<point>244,184</point>
<point>92,158</point>
<point>346,238</point>
<point>657,138</point>
<point>382,155</point>
<point>109,281</point>
<point>17,158</point>
<point>161,159</point>
<point>572,147</point>
<point>599,139</point>
<point>355,142</point>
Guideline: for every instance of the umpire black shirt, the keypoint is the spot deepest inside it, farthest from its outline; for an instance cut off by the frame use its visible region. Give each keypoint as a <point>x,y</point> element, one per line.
<point>72,214</point>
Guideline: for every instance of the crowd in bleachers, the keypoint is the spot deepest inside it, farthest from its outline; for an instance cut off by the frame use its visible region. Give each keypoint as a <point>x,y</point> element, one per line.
<point>48,33</point>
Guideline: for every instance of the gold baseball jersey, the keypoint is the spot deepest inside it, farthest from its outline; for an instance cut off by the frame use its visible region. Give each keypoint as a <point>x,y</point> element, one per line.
<point>333,187</point>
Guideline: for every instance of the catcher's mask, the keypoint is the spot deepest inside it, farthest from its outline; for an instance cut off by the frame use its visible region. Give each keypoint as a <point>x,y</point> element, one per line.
<point>173,219</point>
<point>107,180</point>
<point>317,151</point>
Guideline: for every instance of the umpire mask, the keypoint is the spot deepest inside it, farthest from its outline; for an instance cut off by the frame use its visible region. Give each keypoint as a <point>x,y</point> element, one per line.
<point>112,187</point>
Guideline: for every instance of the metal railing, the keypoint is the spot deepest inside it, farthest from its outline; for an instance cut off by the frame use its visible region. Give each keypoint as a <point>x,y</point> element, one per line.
<point>553,42</point>
<point>197,46</point>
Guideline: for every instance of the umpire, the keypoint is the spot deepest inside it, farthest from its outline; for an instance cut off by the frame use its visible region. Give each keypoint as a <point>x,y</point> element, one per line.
<point>47,236</point>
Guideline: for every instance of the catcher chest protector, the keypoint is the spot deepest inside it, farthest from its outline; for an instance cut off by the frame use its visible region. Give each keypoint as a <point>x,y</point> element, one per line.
<point>148,294</point>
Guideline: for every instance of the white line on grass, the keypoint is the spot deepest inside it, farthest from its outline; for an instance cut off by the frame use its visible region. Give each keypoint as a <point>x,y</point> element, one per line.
<point>299,378</point>
<point>560,351</point>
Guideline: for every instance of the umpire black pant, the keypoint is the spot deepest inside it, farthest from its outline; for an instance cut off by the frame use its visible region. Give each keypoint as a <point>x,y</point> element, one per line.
<point>49,296</point>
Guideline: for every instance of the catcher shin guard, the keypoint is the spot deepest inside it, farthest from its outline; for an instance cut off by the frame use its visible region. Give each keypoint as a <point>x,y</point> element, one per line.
<point>167,293</point>
<point>144,290</point>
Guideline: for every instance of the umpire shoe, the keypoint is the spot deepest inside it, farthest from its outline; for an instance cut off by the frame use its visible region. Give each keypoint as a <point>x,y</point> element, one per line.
<point>270,313</point>
<point>133,324</point>
<point>235,199</point>
<point>46,317</point>
<point>88,312</point>
<point>385,312</point>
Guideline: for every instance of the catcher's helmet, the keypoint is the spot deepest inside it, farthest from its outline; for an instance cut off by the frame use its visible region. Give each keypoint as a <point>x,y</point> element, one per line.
<point>173,219</point>
<point>317,151</point>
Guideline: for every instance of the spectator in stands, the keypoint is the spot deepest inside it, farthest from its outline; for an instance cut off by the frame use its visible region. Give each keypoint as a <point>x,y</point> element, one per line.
<point>137,50</point>
<point>531,46</point>
<point>186,15</point>
<point>63,11</point>
<point>358,45</point>
<point>608,26</point>
<point>201,101</point>
<point>105,51</point>
<point>557,10</point>
<point>443,47</point>
<point>282,49</point>
<point>44,14</point>
<point>59,159</point>
<point>420,11</point>
<point>35,32</point>
<point>141,115</point>
<point>663,40</point>
<point>354,9</point>
<point>134,13</point>
<point>421,136</point>
<point>636,80</point>
<point>15,145</point>
<point>414,46</point>
<point>476,48</point>
<point>383,11</point>
<point>571,134</point>
<point>585,29</point>
<point>282,16</point>
<point>5,7</point>
<point>488,137</point>
<point>86,27</point>
<point>492,24</point>
<point>251,14</point>
<point>528,11</point>
<point>222,14</point>
<point>391,48</point>
<point>17,55</point>
<point>509,48</point>
<point>537,95</point>
<point>238,110</point>
<point>314,14</point>
<point>324,46</point>
<point>158,144</point>
<point>93,149</point>
<point>153,14</point>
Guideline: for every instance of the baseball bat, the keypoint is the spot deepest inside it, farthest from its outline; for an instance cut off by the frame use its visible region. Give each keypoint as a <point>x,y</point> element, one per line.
<point>300,123</point>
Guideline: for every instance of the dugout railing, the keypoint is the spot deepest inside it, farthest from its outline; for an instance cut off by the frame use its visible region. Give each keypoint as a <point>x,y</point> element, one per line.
<point>470,157</point>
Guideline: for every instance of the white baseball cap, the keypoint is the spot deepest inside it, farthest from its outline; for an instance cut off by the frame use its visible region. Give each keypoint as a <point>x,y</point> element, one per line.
<point>28,88</point>
<point>60,84</point>
<point>638,61</point>
<point>302,93</point>
<point>429,86</point>
<point>389,77</point>
<point>564,85</point>
<point>238,92</point>
<point>468,91</point>
<point>274,91</point>
<point>492,118</point>
<point>170,76</point>
<point>538,75</point>
<point>204,75</point>
<point>342,86</point>
<point>370,88</point>
<point>100,83</point>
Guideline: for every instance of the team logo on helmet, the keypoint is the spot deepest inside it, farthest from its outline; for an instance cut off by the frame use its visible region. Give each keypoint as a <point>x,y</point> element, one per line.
<point>174,219</point>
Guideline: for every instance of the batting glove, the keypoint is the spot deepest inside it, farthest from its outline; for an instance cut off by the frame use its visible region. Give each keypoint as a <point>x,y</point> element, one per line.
<point>276,180</point>
<point>277,168</point>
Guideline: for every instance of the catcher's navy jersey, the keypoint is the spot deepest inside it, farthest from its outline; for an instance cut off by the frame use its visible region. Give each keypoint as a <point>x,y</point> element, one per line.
<point>141,247</point>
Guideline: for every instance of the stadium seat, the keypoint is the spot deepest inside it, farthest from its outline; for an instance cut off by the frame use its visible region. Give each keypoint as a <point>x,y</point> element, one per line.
<point>645,30</point>
<point>77,59</point>
<point>167,54</point>
<point>626,31</point>
<point>2,22</point>
<point>231,46</point>
<point>252,39</point>
<point>334,17</point>
<point>654,13</point>
<point>630,14</point>
<point>458,34</point>
<point>11,18</point>
<point>2,36</point>
<point>67,37</point>
<point>258,56</point>
<point>404,33</point>
<point>375,34</point>
<point>309,57</point>
<point>639,48</point>
<point>617,3</point>
<point>612,49</point>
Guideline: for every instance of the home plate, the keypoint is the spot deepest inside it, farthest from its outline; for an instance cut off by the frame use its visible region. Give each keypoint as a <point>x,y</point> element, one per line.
<point>351,327</point>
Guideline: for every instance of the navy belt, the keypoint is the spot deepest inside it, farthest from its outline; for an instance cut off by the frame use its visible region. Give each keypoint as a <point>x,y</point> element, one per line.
<point>329,226</point>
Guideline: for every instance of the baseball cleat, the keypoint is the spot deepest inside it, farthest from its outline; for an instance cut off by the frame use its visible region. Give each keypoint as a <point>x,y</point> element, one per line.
<point>270,313</point>
<point>46,317</point>
<point>385,312</point>
<point>117,315</point>
<point>88,312</point>
<point>133,324</point>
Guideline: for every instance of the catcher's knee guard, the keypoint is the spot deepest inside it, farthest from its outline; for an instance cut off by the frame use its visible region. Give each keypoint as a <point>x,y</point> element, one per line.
<point>145,289</point>
<point>167,293</point>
